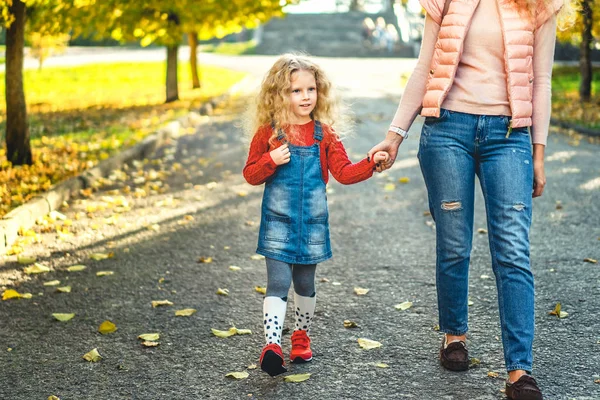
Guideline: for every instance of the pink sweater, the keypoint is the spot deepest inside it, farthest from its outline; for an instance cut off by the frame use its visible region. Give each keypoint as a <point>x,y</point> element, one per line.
<point>479,86</point>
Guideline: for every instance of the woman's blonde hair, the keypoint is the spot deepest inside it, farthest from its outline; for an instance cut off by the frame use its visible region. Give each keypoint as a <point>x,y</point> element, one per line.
<point>272,105</point>
<point>565,18</point>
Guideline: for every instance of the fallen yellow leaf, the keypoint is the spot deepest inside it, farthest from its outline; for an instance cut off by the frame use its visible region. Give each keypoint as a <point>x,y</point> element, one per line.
<point>558,311</point>
<point>493,374</point>
<point>53,398</point>
<point>261,290</point>
<point>157,303</point>
<point>243,331</point>
<point>223,334</point>
<point>205,260</point>
<point>11,294</point>
<point>100,256</point>
<point>257,257</point>
<point>389,187</point>
<point>185,312</point>
<point>242,193</point>
<point>350,324</point>
<point>482,231</point>
<point>63,317</point>
<point>404,179</point>
<point>76,268</point>
<point>92,356</point>
<point>237,375</point>
<point>297,378</point>
<point>64,289</point>
<point>234,268</point>
<point>149,336</point>
<point>51,283</point>
<point>104,273</point>
<point>36,269</point>
<point>360,291</point>
<point>26,260</point>
<point>107,327</point>
<point>590,260</point>
<point>223,292</point>
<point>148,343</point>
<point>382,365</point>
<point>404,306</point>
<point>368,344</point>
<point>252,366</point>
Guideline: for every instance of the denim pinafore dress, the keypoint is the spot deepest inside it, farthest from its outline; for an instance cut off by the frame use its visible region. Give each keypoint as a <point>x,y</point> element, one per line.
<point>294,225</point>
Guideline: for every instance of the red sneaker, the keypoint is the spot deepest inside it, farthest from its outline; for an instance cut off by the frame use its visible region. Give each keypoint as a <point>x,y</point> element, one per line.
<point>271,360</point>
<point>301,351</point>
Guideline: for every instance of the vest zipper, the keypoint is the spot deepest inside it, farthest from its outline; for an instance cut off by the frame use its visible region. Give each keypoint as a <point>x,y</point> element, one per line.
<point>506,68</point>
<point>509,129</point>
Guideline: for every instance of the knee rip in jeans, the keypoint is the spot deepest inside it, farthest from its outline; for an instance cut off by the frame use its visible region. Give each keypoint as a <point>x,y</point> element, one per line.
<point>451,205</point>
<point>519,206</point>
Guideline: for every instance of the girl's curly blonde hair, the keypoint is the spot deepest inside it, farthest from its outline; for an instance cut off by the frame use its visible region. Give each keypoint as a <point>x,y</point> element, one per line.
<point>272,105</point>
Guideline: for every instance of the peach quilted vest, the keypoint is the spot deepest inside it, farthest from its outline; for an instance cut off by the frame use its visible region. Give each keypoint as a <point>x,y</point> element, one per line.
<point>518,53</point>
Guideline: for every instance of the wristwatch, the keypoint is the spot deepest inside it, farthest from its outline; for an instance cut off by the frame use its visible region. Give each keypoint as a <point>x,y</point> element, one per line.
<point>399,131</point>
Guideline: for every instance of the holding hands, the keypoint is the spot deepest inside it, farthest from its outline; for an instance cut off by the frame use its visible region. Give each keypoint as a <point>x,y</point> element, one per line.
<point>390,146</point>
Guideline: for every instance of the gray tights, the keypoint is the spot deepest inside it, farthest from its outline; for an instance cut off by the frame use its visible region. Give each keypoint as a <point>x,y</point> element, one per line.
<point>281,274</point>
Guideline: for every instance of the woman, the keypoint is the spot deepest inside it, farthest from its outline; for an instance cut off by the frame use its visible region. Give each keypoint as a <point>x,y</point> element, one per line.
<point>474,83</point>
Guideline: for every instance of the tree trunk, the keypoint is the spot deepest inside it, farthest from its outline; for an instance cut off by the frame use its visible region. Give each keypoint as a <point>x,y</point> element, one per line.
<point>585,59</point>
<point>193,42</point>
<point>18,148</point>
<point>355,5</point>
<point>172,89</point>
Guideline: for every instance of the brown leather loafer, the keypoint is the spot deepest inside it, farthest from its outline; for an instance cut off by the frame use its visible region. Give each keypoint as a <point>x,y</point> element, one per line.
<point>525,388</point>
<point>455,356</point>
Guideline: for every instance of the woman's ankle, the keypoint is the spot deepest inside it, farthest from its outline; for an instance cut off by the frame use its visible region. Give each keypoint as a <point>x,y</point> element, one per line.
<point>514,376</point>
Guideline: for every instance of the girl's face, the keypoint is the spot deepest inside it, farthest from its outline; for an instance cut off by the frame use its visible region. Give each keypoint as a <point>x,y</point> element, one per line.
<point>303,96</point>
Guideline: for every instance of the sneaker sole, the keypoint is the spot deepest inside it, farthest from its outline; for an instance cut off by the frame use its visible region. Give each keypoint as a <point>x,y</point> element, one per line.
<point>272,364</point>
<point>300,360</point>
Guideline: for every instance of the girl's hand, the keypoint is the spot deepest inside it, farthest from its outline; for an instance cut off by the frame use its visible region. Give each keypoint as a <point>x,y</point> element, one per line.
<point>390,145</point>
<point>381,158</point>
<point>281,155</point>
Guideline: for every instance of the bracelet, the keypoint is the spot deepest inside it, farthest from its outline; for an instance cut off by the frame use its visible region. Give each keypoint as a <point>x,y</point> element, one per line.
<point>399,131</point>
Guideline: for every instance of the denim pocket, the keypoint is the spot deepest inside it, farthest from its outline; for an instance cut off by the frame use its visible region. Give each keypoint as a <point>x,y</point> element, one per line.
<point>277,228</point>
<point>317,230</point>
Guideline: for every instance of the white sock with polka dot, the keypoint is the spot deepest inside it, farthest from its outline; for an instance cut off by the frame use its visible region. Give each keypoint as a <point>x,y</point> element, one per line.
<point>273,315</point>
<point>304,311</point>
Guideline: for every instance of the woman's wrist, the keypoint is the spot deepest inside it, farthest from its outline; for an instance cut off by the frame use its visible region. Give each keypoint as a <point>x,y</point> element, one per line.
<point>538,152</point>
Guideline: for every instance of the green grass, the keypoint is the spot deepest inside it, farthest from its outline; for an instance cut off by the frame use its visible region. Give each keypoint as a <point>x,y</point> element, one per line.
<point>566,105</point>
<point>114,85</point>
<point>237,48</point>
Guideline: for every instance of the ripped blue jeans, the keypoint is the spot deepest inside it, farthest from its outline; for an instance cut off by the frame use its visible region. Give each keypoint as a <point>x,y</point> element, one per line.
<point>453,149</point>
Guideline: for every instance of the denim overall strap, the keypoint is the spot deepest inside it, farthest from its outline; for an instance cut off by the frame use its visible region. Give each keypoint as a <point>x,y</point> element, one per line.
<point>294,224</point>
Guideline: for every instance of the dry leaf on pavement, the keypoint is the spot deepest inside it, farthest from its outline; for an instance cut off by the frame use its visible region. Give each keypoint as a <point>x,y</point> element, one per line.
<point>205,260</point>
<point>350,324</point>
<point>64,289</point>
<point>26,260</point>
<point>237,375</point>
<point>157,303</point>
<point>76,268</point>
<point>36,269</point>
<point>107,327</point>
<point>404,306</point>
<point>368,344</point>
<point>382,365</point>
<point>51,283</point>
<point>104,273</point>
<point>223,292</point>
<point>149,336</point>
<point>185,312</point>
<point>148,343</point>
<point>360,291</point>
<point>590,260</point>
<point>296,378</point>
<point>234,268</point>
<point>92,356</point>
<point>260,289</point>
<point>558,312</point>
<point>63,317</point>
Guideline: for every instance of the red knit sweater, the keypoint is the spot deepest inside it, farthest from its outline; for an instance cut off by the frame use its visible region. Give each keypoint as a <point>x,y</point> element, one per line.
<point>260,166</point>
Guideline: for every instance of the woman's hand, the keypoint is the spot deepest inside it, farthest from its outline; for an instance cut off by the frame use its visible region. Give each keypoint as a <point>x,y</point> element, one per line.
<point>390,144</point>
<point>539,174</point>
<point>281,155</point>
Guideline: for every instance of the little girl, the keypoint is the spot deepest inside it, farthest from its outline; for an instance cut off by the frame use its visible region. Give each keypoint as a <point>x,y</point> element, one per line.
<point>292,151</point>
